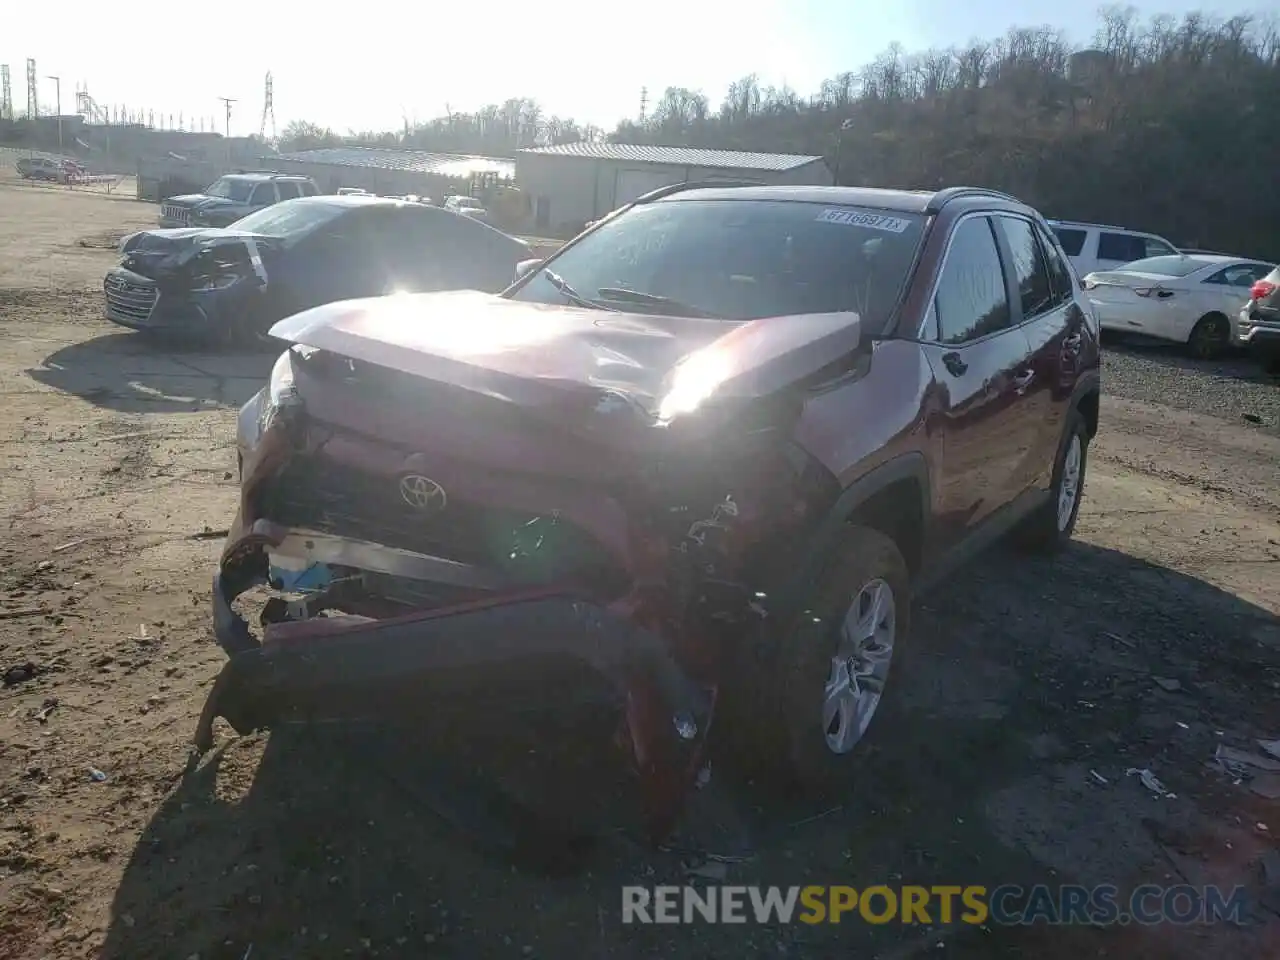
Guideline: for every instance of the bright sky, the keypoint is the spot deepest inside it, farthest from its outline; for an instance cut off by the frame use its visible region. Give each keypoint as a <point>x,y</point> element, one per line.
<point>368,65</point>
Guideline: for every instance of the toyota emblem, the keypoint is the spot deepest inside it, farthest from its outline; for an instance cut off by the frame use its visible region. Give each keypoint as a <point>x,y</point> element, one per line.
<point>422,493</point>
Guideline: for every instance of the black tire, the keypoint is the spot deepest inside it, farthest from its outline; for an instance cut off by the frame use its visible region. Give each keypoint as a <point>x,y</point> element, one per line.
<point>1044,531</point>
<point>1210,338</point>
<point>789,741</point>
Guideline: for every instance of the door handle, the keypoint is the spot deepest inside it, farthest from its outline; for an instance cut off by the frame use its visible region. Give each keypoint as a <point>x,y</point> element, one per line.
<point>1023,380</point>
<point>954,364</point>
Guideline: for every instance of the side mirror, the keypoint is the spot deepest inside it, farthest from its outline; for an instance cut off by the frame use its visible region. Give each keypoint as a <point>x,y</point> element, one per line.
<point>526,267</point>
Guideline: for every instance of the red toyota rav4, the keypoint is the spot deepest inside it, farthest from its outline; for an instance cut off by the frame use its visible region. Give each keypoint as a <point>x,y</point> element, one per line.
<point>710,448</point>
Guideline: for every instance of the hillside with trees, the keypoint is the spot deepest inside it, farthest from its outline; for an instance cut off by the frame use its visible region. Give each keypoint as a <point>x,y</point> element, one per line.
<point>1172,126</point>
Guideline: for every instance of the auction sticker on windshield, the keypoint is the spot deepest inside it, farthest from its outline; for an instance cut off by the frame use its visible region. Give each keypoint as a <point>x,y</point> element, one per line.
<point>856,218</point>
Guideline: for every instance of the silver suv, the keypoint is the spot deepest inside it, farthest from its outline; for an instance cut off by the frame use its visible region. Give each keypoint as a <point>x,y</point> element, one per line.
<point>1259,324</point>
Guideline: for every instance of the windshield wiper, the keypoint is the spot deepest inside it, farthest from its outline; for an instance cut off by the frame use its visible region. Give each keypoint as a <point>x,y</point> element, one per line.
<point>570,294</point>
<point>656,300</point>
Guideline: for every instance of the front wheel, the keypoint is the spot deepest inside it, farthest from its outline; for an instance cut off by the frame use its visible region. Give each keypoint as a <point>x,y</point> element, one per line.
<point>836,661</point>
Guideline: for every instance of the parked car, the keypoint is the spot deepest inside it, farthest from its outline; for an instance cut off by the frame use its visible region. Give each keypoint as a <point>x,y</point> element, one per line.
<point>1191,299</point>
<point>1093,246</point>
<point>229,198</point>
<point>1258,326</point>
<point>717,442</point>
<point>467,206</point>
<point>234,283</point>
<point>54,169</point>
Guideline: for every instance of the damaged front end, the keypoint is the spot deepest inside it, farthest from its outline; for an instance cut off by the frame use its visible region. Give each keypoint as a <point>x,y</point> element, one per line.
<point>413,529</point>
<point>192,281</point>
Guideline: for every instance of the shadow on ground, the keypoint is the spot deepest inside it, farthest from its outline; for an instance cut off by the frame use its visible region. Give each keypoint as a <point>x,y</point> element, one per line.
<point>1033,689</point>
<point>134,373</point>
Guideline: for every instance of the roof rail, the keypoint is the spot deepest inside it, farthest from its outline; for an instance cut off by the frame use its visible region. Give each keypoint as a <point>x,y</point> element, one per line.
<point>947,194</point>
<point>673,188</point>
<point>1098,226</point>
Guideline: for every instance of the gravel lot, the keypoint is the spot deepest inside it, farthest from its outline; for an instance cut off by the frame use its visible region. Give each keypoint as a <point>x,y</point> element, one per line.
<point>1234,389</point>
<point>1036,686</point>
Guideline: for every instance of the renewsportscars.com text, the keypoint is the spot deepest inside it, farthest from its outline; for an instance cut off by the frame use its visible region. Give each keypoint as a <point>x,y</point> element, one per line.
<point>1003,906</point>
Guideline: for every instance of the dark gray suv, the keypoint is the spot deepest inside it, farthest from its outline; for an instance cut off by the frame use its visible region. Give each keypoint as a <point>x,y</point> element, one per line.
<point>1259,325</point>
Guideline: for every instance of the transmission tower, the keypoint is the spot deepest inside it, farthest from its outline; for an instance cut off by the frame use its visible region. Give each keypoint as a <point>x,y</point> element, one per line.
<point>6,94</point>
<point>268,110</point>
<point>644,102</point>
<point>33,101</point>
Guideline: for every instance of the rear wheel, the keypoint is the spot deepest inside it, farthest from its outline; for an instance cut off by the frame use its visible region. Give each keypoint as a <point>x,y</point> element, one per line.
<point>1051,525</point>
<point>1210,337</point>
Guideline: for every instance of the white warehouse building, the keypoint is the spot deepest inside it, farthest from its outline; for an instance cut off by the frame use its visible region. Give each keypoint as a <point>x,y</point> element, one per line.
<point>573,183</point>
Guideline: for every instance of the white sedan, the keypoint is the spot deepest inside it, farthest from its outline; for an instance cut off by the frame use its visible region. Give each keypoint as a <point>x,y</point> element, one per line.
<point>1188,298</point>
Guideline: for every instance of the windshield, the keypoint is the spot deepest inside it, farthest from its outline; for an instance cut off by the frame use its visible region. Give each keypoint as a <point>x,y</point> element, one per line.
<point>229,188</point>
<point>739,260</point>
<point>1177,266</point>
<point>289,218</point>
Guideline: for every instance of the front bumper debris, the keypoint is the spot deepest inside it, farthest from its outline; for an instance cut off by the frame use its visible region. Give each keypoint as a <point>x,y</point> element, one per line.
<point>341,668</point>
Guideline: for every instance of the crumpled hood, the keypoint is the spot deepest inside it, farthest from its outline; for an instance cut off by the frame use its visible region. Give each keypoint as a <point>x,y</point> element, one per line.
<point>531,353</point>
<point>182,243</point>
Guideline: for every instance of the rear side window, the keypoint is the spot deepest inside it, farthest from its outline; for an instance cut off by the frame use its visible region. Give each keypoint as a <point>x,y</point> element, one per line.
<point>1029,270</point>
<point>309,189</point>
<point>263,193</point>
<point>1155,247</point>
<point>1059,270</point>
<point>1125,247</point>
<point>1239,275</point>
<point>288,189</point>
<point>972,300</point>
<point>1072,240</point>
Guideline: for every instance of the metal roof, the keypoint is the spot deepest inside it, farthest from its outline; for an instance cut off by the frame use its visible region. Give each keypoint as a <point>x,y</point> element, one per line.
<point>417,161</point>
<point>676,156</point>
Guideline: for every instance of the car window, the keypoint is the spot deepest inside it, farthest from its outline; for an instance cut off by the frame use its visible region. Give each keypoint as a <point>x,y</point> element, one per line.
<point>263,193</point>
<point>1072,240</point>
<point>290,218</point>
<point>1029,270</point>
<point>1239,275</point>
<point>435,249</point>
<point>972,299</point>
<point>308,189</point>
<point>1059,269</point>
<point>741,259</point>
<point>1155,247</point>
<point>229,188</point>
<point>288,189</point>
<point>1124,247</point>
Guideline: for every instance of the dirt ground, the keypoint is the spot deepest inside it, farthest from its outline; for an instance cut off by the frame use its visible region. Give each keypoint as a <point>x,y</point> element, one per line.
<point>1036,686</point>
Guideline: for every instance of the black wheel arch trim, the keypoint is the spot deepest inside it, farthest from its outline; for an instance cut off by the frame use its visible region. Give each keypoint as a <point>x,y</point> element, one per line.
<point>1088,383</point>
<point>907,466</point>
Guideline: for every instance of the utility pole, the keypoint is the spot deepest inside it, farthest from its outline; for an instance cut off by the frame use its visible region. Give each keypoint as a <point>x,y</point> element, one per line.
<point>227,102</point>
<point>57,86</point>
